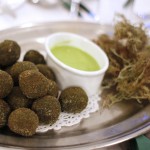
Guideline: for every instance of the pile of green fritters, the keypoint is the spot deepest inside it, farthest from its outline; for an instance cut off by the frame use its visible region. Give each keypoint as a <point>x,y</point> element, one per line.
<point>29,93</point>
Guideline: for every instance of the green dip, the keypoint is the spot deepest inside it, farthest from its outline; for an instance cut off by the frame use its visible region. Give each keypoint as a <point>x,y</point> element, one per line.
<point>75,58</point>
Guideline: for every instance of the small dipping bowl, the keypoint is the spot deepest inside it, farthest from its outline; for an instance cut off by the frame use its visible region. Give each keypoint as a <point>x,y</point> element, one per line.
<point>67,76</point>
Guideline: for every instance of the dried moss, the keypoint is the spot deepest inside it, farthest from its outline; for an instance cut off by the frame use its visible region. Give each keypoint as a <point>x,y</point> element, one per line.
<point>128,76</point>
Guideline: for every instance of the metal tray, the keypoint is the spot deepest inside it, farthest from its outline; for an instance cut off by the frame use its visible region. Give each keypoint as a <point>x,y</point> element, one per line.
<point>121,122</point>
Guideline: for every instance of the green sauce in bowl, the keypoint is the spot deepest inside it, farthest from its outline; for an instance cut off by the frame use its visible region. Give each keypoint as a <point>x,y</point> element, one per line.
<point>75,58</point>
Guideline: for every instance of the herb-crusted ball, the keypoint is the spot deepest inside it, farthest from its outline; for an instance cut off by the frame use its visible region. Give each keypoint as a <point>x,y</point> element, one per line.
<point>33,84</point>
<point>73,100</point>
<point>19,67</point>
<point>23,121</point>
<point>46,71</point>
<point>35,57</point>
<point>4,112</point>
<point>9,53</point>
<point>53,88</point>
<point>48,109</point>
<point>17,100</point>
<point>6,84</point>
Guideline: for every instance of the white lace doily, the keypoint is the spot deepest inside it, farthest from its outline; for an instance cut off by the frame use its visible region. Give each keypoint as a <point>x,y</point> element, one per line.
<point>69,119</point>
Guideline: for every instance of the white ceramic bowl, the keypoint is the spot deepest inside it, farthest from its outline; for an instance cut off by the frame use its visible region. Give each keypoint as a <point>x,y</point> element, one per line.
<point>67,76</point>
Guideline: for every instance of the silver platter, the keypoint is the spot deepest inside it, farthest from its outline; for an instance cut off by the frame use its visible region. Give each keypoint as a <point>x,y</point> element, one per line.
<point>121,122</point>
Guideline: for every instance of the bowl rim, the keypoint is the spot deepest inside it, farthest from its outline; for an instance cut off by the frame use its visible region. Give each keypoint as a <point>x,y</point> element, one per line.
<point>102,70</point>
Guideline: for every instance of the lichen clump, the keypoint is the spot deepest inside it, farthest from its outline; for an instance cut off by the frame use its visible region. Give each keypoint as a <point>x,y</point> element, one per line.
<point>128,76</point>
